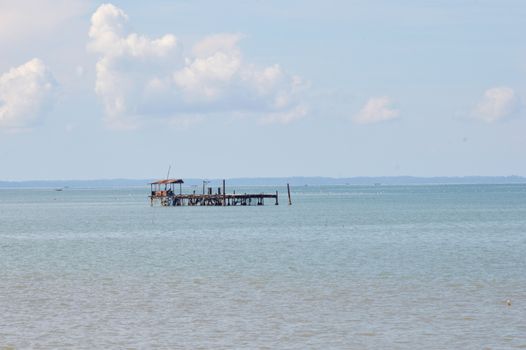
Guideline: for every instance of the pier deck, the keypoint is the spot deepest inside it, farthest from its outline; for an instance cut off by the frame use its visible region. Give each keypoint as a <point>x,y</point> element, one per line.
<point>213,199</point>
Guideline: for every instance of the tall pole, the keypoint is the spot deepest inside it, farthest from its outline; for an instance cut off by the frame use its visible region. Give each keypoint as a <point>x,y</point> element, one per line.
<point>288,191</point>
<point>224,193</point>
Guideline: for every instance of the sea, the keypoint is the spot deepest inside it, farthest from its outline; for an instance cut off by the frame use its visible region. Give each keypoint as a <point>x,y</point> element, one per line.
<point>343,267</point>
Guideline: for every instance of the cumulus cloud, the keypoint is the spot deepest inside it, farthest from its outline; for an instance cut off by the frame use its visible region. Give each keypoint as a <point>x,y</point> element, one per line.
<point>139,77</point>
<point>284,117</point>
<point>25,94</point>
<point>497,103</point>
<point>375,110</point>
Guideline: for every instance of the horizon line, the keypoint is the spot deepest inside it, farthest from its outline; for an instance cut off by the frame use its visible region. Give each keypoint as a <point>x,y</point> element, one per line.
<point>296,177</point>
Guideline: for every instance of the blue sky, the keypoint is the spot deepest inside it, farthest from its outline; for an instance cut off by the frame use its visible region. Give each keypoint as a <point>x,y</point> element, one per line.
<point>261,88</point>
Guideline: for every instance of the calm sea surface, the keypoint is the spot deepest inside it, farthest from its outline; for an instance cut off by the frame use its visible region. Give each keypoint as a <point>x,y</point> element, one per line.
<point>386,267</point>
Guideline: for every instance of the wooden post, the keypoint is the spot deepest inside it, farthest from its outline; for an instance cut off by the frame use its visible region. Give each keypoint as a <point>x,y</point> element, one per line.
<point>276,197</point>
<point>224,193</point>
<point>288,191</point>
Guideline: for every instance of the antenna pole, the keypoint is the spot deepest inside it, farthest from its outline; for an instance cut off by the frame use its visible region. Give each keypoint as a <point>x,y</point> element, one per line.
<point>168,175</point>
<point>224,193</point>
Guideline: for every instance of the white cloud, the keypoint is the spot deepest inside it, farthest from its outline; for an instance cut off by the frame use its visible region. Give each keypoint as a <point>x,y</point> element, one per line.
<point>497,103</point>
<point>128,64</point>
<point>25,93</point>
<point>109,36</point>
<point>139,77</point>
<point>217,42</point>
<point>284,117</point>
<point>375,110</point>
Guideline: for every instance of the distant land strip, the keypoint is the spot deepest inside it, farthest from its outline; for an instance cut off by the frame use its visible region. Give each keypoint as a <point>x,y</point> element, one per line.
<point>273,181</point>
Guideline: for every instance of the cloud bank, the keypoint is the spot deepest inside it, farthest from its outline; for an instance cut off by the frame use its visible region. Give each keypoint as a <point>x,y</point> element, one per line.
<point>139,77</point>
<point>498,103</point>
<point>375,110</point>
<point>26,92</point>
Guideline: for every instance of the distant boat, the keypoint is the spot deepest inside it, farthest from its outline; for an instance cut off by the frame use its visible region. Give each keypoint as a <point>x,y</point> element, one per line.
<point>59,189</point>
<point>377,184</point>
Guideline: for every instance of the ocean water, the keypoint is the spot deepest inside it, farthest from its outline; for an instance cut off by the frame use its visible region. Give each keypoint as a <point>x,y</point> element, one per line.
<point>347,267</point>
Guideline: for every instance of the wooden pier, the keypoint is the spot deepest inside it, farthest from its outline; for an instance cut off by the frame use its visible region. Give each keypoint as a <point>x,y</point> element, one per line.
<point>165,193</point>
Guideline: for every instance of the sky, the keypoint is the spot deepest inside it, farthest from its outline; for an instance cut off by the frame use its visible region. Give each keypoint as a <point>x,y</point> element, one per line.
<point>262,88</point>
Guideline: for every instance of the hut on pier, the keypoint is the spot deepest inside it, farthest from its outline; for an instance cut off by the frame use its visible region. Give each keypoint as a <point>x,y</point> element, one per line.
<point>165,188</point>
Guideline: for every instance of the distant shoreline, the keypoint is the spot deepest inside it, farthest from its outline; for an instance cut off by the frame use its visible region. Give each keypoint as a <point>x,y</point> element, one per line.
<point>275,181</point>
